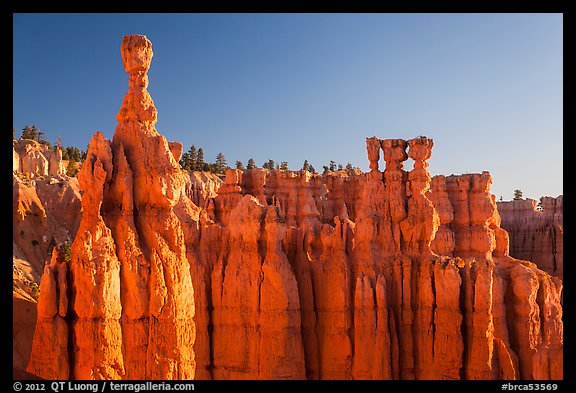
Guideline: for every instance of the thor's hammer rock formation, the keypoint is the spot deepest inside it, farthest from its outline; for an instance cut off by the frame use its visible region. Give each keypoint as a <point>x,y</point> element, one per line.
<point>131,300</point>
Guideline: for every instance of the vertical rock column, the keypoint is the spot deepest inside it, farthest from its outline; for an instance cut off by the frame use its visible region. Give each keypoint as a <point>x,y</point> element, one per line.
<point>397,267</point>
<point>372,202</point>
<point>331,278</point>
<point>483,213</point>
<point>299,244</point>
<point>55,166</point>
<point>166,330</point>
<point>95,272</point>
<point>281,349</point>
<point>418,229</point>
<point>134,270</point>
<point>443,242</point>
<point>475,241</point>
<point>395,178</point>
<point>229,194</point>
<point>447,343</point>
<point>49,358</point>
<point>371,339</point>
<point>95,302</point>
<point>373,150</point>
<point>422,221</point>
<point>256,317</point>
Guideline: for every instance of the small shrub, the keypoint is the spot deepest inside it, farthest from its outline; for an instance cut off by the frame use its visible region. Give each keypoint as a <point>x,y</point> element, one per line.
<point>66,252</point>
<point>35,290</point>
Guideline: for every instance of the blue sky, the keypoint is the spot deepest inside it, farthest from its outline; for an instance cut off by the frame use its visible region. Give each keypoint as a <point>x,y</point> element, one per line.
<point>486,87</point>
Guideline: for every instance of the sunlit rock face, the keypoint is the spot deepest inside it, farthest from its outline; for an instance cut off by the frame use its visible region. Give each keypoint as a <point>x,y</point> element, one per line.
<point>390,274</point>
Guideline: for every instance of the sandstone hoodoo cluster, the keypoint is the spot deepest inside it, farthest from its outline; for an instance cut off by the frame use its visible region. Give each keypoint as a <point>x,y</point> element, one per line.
<point>287,275</point>
<point>36,159</point>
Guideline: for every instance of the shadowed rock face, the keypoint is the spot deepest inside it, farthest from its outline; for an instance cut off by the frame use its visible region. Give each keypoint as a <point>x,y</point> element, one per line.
<point>383,275</point>
<point>536,235</point>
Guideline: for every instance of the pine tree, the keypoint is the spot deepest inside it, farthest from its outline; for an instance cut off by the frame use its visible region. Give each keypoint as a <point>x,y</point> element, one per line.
<point>239,165</point>
<point>348,166</point>
<point>517,195</point>
<point>189,160</point>
<point>306,166</point>
<point>185,161</point>
<point>220,163</point>
<point>326,169</point>
<point>311,169</point>
<point>74,153</point>
<point>71,168</point>
<point>29,132</point>
<point>200,160</point>
<point>284,166</point>
<point>332,166</point>
<point>65,155</point>
<point>66,252</point>
<point>268,165</point>
<point>192,158</point>
<point>251,164</point>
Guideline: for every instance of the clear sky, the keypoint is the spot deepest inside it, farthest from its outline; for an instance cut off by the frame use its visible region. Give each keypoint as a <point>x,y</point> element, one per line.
<point>486,87</point>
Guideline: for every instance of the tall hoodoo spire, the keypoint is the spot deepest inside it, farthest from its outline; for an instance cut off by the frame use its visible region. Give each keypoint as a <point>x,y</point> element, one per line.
<point>131,304</point>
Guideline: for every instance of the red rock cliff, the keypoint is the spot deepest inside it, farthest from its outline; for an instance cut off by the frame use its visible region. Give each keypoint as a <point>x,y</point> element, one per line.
<point>385,275</point>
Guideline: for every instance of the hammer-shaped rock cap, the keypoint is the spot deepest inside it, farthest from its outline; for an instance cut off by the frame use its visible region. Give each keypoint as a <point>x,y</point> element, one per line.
<point>136,53</point>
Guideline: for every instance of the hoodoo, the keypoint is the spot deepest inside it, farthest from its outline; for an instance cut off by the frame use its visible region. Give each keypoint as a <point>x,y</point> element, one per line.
<point>390,274</point>
<point>131,300</point>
